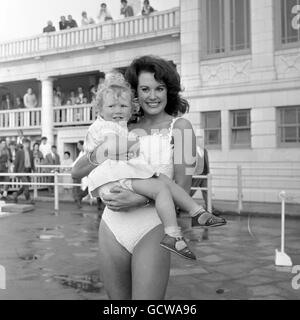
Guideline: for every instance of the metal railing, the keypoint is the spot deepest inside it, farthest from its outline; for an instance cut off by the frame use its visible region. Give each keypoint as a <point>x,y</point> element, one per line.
<point>261,177</point>
<point>40,180</point>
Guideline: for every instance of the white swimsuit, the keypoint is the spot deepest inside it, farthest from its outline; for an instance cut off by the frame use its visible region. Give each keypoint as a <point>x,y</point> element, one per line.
<point>131,226</point>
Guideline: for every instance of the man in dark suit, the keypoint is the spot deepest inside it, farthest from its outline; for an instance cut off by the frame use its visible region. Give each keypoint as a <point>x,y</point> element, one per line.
<point>71,22</point>
<point>24,163</point>
<point>53,159</point>
<point>49,28</point>
<point>63,23</point>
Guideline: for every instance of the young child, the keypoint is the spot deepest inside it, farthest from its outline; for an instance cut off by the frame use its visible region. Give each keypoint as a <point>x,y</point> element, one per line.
<point>114,99</point>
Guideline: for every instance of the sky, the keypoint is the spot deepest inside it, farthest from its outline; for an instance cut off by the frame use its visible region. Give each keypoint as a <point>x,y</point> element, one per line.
<point>25,18</point>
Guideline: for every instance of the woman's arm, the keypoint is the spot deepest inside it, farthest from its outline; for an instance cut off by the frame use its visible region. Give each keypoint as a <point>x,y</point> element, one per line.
<point>184,153</point>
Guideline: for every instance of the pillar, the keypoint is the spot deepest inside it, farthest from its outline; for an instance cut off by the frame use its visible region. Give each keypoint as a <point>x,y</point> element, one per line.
<point>262,40</point>
<point>47,109</point>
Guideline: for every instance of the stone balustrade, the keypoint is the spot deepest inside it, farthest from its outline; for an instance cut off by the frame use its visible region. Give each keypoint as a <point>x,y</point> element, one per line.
<point>92,36</point>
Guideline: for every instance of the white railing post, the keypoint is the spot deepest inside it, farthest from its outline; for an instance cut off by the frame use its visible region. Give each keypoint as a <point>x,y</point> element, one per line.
<point>239,189</point>
<point>56,193</point>
<point>209,192</point>
<point>35,189</point>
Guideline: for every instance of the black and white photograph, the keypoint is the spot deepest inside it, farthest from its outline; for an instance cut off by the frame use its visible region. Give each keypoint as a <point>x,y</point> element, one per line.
<point>199,154</point>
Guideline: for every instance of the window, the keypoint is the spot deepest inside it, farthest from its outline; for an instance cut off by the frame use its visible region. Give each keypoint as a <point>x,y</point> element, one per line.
<point>227,26</point>
<point>212,128</point>
<point>289,126</point>
<point>240,129</point>
<point>288,22</point>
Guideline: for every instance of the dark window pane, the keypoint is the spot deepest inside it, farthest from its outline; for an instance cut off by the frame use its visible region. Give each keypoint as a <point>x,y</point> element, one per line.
<point>241,137</point>
<point>241,118</point>
<point>290,21</point>
<point>290,116</point>
<point>215,26</point>
<point>290,134</point>
<point>212,120</point>
<point>212,137</point>
<point>239,24</point>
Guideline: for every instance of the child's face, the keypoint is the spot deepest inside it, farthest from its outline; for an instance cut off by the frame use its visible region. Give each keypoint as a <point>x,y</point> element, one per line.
<point>117,106</point>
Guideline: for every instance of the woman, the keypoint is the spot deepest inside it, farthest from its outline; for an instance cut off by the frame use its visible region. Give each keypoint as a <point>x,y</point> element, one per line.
<point>67,161</point>
<point>133,266</point>
<point>37,154</point>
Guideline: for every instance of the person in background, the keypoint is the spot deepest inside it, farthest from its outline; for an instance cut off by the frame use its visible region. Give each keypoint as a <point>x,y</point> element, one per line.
<point>30,100</point>
<point>92,92</point>
<point>52,159</point>
<point>37,154</point>
<point>85,20</point>
<point>72,97</point>
<point>4,166</point>
<point>80,95</point>
<point>68,102</point>
<point>71,22</point>
<point>126,10</point>
<point>63,23</point>
<point>56,99</point>
<point>67,161</point>
<point>60,95</point>
<point>6,104</point>
<point>80,192</point>
<point>147,9</point>
<point>45,147</point>
<point>24,163</point>
<point>49,27</point>
<point>12,148</point>
<point>19,103</point>
<point>104,14</point>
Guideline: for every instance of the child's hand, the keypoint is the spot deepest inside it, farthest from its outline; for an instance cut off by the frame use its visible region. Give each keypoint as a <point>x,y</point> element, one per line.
<point>134,151</point>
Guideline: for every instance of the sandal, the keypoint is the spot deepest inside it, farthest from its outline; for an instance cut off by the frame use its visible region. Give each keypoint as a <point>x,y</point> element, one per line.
<point>207,219</point>
<point>179,246</point>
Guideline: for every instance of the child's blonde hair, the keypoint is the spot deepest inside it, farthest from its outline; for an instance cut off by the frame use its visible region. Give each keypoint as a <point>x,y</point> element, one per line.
<point>115,84</point>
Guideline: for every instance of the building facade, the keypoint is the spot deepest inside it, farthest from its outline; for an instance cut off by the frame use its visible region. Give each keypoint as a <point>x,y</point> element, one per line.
<point>240,67</point>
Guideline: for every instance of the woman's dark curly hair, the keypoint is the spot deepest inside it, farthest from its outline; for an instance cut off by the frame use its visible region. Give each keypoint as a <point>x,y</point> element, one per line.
<point>164,72</point>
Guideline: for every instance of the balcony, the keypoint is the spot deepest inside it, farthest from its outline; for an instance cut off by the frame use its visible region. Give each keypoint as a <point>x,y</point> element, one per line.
<point>20,119</point>
<point>94,36</point>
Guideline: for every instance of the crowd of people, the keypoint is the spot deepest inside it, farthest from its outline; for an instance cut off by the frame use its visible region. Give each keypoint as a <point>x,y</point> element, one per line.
<point>29,100</point>
<point>104,15</point>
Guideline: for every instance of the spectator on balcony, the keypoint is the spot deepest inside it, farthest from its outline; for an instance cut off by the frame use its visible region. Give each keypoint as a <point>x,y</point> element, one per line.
<point>45,147</point>
<point>56,99</point>
<point>104,14</point>
<point>4,165</point>
<point>147,9</point>
<point>52,159</point>
<point>85,100</point>
<point>6,103</point>
<point>37,154</point>
<point>80,95</point>
<point>93,93</point>
<point>30,100</point>
<point>60,94</point>
<point>72,97</point>
<point>85,20</point>
<point>126,10</point>
<point>63,23</point>
<point>24,163</point>
<point>19,103</point>
<point>71,22</point>
<point>49,28</point>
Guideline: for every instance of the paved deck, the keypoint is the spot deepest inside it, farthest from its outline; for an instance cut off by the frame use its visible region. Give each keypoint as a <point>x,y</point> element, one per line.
<point>55,256</point>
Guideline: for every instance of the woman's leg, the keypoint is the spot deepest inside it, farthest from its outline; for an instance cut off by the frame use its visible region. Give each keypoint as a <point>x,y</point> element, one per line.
<point>150,267</point>
<point>115,265</point>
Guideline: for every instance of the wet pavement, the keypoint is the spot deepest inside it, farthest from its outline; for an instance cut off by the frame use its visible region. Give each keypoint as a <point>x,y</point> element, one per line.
<point>51,255</point>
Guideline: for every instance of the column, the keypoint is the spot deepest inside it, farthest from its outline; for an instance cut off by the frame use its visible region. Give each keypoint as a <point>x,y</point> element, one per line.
<point>262,40</point>
<point>190,25</point>
<point>47,109</point>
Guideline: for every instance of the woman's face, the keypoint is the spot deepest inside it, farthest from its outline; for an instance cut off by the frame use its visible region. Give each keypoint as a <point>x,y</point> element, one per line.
<point>152,94</point>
